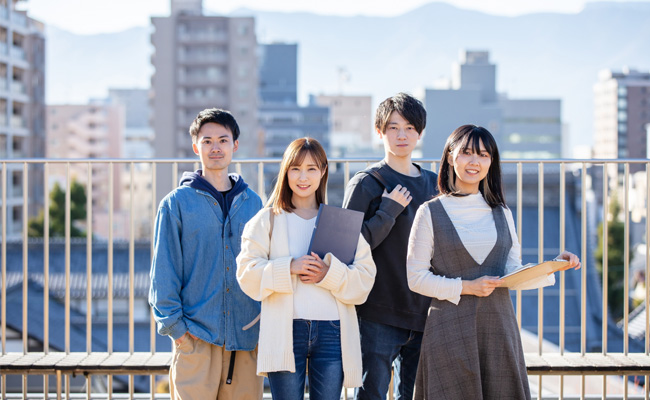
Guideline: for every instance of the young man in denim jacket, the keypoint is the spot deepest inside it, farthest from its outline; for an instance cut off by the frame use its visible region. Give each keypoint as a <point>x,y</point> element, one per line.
<point>194,293</point>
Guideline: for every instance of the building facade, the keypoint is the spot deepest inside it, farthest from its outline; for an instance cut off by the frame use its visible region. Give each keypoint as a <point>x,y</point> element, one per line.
<point>88,131</point>
<point>622,114</point>
<point>350,120</point>
<point>200,62</point>
<point>523,128</point>
<point>22,110</point>
<point>280,117</point>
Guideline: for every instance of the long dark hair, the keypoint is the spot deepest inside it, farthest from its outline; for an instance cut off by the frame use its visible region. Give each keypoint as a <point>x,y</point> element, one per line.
<point>469,137</point>
<point>294,155</point>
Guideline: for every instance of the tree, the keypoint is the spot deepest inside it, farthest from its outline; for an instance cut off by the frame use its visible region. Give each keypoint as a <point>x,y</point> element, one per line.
<point>615,259</point>
<point>57,212</point>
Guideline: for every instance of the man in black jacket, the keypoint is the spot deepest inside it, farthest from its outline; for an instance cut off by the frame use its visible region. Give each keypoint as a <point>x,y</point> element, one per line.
<point>392,320</point>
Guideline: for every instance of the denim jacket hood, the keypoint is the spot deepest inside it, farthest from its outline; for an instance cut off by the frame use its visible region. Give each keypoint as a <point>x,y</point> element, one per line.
<point>193,272</point>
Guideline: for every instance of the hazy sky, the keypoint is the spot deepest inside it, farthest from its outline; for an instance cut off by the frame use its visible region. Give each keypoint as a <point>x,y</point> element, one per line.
<point>95,16</point>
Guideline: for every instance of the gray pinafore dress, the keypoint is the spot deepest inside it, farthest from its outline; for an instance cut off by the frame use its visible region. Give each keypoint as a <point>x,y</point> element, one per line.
<point>471,350</point>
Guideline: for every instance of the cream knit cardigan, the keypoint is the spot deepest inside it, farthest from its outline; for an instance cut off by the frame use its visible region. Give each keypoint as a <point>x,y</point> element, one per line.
<point>263,272</point>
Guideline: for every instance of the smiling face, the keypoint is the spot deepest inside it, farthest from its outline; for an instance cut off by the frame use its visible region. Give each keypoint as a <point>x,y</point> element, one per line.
<point>470,167</point>
<point>304,180</point>
<point>399,137</point>
<point>215,146</point>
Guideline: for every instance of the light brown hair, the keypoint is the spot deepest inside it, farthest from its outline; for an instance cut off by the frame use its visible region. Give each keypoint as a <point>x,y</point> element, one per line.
<point>294,155</point>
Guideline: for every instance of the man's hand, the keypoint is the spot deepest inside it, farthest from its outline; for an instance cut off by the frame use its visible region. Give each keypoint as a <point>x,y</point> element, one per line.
<point>182,338</point>
<point>481,287</point>
<point>400,194</point>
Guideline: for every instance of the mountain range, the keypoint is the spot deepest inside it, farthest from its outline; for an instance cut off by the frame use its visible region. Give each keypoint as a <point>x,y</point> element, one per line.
<point>543,55</point>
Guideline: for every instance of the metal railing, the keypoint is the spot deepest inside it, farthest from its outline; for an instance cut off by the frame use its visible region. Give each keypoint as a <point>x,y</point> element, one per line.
<point>571,188</point>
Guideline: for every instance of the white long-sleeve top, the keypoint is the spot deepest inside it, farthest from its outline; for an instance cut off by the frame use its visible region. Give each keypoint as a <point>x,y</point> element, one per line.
<point>310,301</point>
<point>472,217</point>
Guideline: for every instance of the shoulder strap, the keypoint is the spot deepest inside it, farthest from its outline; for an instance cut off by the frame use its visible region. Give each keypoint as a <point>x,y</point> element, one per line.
<point>374,172</point>
<point>271,220</point>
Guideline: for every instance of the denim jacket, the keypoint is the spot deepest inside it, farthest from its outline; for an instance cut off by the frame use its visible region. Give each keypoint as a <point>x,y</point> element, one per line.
<point>193,271</point>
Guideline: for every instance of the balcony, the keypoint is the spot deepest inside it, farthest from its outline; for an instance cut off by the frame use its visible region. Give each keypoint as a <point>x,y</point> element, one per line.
<point>85,297</point>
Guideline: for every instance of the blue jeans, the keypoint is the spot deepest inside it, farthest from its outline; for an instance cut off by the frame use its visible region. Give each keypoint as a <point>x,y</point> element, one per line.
<point>381,345</point>
<point>320,342</point>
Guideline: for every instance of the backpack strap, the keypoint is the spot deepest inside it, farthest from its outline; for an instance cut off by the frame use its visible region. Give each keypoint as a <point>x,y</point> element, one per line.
<point>271,220</point>
<point>374,172</point>
<point>256,319</point>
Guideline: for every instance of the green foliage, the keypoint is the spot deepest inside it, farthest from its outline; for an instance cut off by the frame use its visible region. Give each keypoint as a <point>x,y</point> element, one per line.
<point>57,212</point>
<point>615,259</point>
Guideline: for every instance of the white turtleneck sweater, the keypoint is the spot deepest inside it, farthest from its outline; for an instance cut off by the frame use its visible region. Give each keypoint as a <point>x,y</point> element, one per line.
<point>472,217</point>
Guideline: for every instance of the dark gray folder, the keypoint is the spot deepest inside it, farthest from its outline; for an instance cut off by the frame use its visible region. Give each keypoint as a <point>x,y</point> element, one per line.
<point>337,231</point>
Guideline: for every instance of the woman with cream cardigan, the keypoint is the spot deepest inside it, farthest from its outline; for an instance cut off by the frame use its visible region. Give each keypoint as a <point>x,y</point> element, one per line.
<point>308,303</point>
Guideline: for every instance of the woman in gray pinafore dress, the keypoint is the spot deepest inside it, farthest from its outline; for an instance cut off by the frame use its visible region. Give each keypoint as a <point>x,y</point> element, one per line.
<point>460,243</point>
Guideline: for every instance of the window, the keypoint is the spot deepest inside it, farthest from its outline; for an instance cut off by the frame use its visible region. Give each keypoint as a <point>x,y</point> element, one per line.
<point>622,91</point>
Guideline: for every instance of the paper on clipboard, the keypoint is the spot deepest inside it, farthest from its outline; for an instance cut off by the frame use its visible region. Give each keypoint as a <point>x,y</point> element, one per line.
<point>532,271</point>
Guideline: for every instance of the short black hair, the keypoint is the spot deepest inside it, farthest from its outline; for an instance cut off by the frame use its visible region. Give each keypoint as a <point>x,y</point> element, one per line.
<point>218,116</point>
<point>410,108</point>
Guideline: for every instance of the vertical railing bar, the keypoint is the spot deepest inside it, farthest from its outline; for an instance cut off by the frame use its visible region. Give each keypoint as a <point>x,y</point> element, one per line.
<point>46,271</point>
<point>562,277</point>
<point>583,259</point>
<point>346,174</point>
<point>604,397</point>
<point>131,262</point>
<point>89,261</point>
<point>539,387</point>
<point>174,175</point>
<point>433,166</point>
<point>540,254</point>
<point>519,232</point>
<point>646,387</point>
<point>195,165</point>
<point>647,263</point>
<point>3,306</point>
<point>238,168</point>
<point>152,322</point>
<point>25,260</point>
<point>152,387</point>
<point>626,255</point>
<point>88,386</point>
<point>67,260</point>
<point>605,274</point>
<point>583,387</point>
<point>109,292</point>
<point>46,260</point>
<point>260,182</point>
<point>562,244</point>
<point>25,389</point>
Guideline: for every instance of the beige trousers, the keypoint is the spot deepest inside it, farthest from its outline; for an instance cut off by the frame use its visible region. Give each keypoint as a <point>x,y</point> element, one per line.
<point>199,371</point>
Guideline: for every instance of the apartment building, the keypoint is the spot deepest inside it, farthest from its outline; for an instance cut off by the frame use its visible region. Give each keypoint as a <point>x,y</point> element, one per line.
<point>22,110</point>
<point>89,131</point>
<point>622,114</point>
<point>202,61</point>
